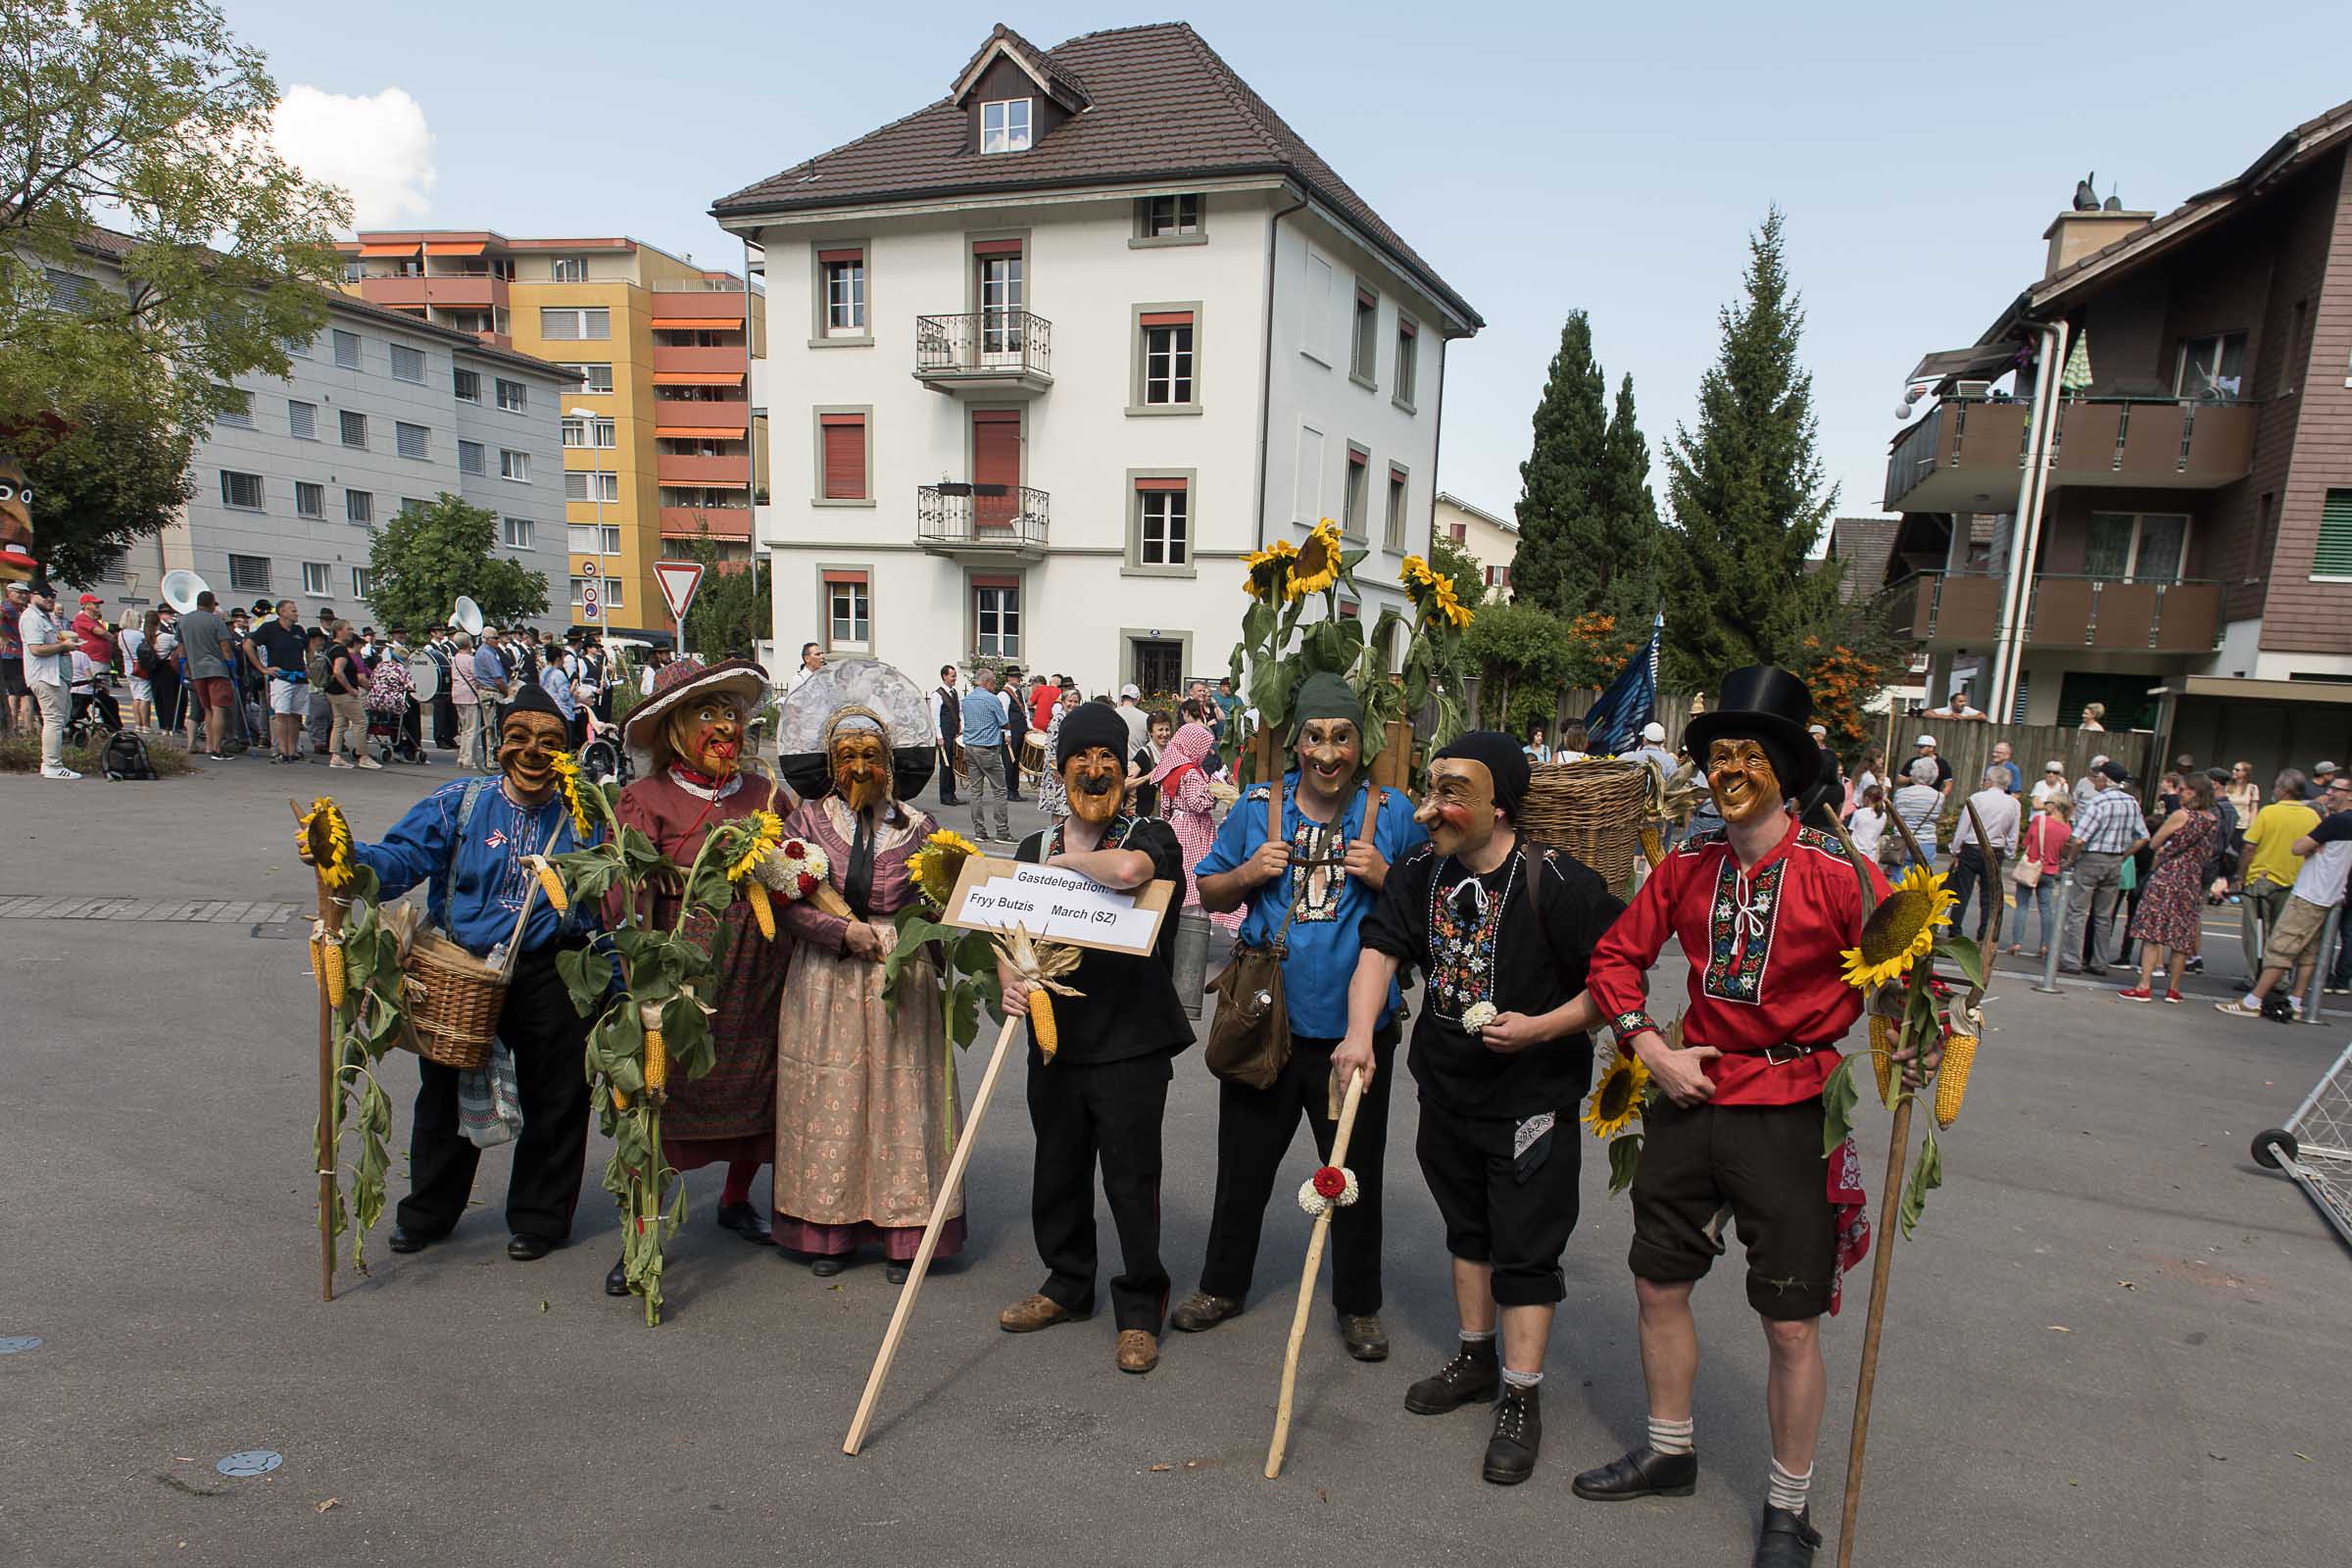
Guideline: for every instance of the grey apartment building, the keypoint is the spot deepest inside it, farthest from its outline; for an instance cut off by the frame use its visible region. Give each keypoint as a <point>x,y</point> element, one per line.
<point>379,413</point>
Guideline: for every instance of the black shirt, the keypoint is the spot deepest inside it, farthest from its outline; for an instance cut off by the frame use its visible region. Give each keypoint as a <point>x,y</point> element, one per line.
<point>1130,1006</point>
<point>284,649</point>
<point>343,673</point>
<point>1524,950</point>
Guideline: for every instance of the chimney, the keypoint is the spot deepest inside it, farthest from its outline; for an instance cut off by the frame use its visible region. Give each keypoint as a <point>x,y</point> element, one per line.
<point>2075,235</point>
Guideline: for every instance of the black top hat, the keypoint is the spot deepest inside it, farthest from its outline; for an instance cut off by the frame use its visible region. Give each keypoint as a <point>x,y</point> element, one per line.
<point>1763,703</point>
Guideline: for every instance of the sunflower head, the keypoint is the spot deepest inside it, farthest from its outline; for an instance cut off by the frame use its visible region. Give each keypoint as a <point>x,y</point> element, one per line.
<point>1447,606</point>
<point>1616,1101</point>
<point>569,780</point>
<point>1318,564</point>
<point>327,835</point>
<point>1416,572</point>
<point>1270,570</point>
<point>939,862</point>
<point>1901,930</point>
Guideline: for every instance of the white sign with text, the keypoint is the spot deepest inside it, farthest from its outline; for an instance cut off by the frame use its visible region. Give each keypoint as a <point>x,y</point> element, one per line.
<point>1055,904</point>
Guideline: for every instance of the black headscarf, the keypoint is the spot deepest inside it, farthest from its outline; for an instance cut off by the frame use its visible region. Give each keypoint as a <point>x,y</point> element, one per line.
<point>1506,762</point>
<point>532,699</point>
<point>1090,724</point>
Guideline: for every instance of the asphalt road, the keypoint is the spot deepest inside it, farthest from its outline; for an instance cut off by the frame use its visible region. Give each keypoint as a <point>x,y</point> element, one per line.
<point>2114,1340</point>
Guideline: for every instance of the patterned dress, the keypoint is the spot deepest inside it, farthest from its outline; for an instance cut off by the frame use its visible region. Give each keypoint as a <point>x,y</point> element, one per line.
<point>729,1113</point>
<point>2173,902</point>
<point>865,1094</point>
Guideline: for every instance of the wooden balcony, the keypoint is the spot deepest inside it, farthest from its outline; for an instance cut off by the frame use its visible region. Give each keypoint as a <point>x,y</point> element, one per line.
<point>1964,454</point>
<point>447,290</point>
<point>724,523</point>
<point>670,468</point>
<point>726,419</point>
<point>697,310</point>
<point>992,353</point>
<point>992,522</point>
<point>718,365</point>
<point>1950,611</point>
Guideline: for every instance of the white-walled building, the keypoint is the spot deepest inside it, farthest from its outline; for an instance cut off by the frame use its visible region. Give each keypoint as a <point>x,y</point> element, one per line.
<point>1490,537</point>
<point>1047,359</point>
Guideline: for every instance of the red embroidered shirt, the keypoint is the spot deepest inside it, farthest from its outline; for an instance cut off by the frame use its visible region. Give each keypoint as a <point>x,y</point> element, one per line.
<point>1765,950</point>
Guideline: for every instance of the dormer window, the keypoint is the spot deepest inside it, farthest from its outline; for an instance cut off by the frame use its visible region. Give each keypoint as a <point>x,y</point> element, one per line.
<point>1005,125</point>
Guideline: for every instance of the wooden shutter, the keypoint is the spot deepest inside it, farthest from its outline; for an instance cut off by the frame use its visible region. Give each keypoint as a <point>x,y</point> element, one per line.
<point>996,247</point>
<point>995,463</point>
<point>1161,484</point>
<point>845,456</point>
<point>841,256</point>
<point>1408,327</point>
<point>1167,318</point>
<point>2333,557</point>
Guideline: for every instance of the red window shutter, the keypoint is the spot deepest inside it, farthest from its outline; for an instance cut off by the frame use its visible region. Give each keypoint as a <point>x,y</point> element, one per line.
<point>1365,297</point>
<point>1167,318</point>
<point>1359,459</point>
<point>996,462</point>
<point>1161,484</point>
<point>841,256</point>
<point>996,247</point>
<point>857,578</point>
<point>1408,327</point>
<point>845,456</point>
<point>1397,475</point>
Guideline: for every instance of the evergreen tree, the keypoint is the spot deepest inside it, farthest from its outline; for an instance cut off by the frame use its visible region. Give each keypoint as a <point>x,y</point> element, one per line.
<point>1747,486</point>
<point>1630,514</point>
<point>1559,562</point>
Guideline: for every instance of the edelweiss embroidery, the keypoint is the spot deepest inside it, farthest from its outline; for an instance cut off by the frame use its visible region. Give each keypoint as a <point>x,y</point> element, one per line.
<point>1461,947</point>
<point>1739,930</point>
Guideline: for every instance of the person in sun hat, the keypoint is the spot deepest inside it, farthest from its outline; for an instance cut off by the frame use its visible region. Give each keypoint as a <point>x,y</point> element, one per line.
<point>1764,910</point>
<point>692,735</point>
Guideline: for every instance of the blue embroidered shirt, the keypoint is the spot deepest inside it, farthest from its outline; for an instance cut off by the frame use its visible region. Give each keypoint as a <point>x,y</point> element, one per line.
<point>478,887</point>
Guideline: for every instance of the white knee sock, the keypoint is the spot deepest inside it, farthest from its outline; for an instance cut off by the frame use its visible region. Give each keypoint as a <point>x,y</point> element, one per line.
<point>1522,1380</point>
<point>1788,1490</point>
<point>1469,1338</point>
<point>1670,1437</point>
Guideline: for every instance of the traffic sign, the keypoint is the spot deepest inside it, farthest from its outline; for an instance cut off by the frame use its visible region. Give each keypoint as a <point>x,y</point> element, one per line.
<point>678,579</point>
<point>589,608</point>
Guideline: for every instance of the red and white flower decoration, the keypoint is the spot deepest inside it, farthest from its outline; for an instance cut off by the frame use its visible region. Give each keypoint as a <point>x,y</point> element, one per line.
<point>796,869</point>
<point>1331,1187</point>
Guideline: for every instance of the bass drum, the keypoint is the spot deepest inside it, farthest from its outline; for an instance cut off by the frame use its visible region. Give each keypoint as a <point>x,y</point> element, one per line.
<point>1033,752</point>
<point>425,675</point>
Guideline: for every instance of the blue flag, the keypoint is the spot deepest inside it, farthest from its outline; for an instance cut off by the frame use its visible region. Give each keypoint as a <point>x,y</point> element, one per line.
<point>1614,725</point>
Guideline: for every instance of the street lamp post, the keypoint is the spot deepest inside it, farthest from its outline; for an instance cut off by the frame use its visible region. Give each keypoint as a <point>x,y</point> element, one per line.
<point>587,418</point>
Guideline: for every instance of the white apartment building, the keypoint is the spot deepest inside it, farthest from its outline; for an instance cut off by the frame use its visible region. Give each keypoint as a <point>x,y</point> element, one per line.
<point>378,413</point>
<point>1047,359</point>
<point>1490,537</point>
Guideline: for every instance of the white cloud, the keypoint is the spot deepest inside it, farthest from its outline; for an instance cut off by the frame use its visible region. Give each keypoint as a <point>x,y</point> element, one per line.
<point>377,148</point>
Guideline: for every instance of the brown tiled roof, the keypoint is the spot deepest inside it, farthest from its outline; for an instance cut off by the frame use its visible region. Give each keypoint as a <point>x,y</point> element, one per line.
<point>1058,80</point>
<point>1866,545</point>
<point>1163,106</point>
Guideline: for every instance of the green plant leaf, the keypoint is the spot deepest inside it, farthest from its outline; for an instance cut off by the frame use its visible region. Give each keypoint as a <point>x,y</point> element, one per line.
<point>1837,1098</point>
<point>1927,1174</point>
<point>584,973</point>
<point>1962,950</point>
<point>1625,1158</point>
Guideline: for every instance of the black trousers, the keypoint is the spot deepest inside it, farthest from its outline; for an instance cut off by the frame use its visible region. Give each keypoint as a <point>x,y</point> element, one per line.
<point>1970,875</point>
<point>1510,1212</point>
<point>549,1039</point>
<point>445,721</point>
<point>1106,1114</point>
<point>1253,1133</point>
<point>1012,767</point>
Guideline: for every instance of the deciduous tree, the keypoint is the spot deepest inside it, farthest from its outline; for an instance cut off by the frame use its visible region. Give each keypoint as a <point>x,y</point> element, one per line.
<point>422,559</point>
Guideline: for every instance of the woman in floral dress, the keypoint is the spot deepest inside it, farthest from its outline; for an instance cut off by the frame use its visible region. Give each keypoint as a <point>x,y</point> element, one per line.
<point>2172,902</point>
<point>1051,797</point>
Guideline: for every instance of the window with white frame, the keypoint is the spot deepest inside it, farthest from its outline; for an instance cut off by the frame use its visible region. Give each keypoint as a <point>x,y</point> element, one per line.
<point>354,427</point>
<point>1408,358</point>
<point>466,385</point>
<point>608,589</point>
<point>513,395</point>
<point>580,486</point>
<point>2212,367</point>
<point>347,348</point>
<point>565,323</point>
<point>1364,344</point>
<point>577,432</point>
<point>594,377</point>
<point>844,299</point>
<point>242,491</point>
<point>359,506</point>
<point>317,578</point>
<point>2137,547</point>
<point>236,407</point>
<point>1393,531</point>
<point>1167,350</point>
<point>248,574</point>
<point>472,458</point>
<point>1167,217</point>
<point>1163,523</point>
<point>996,619</point>
<point>1005,125</point>
<point>848,610</point>
<point>594,539</point>
<point>302,420</point>
<point>309,500</point>
<point>567,269</point>
<point>515,465</point>
<point>412,440</point>
<point>408,364</point>
<point>363,582</point>
<point>1351,505</point>
<point>516,533</point>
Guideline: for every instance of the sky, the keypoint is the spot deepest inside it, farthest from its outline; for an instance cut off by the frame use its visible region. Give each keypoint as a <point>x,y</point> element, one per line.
<point>1544,159</point>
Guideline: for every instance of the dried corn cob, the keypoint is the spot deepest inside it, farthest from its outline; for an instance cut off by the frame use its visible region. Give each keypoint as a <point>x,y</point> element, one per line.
<point>656,1051</point>
<point>1952,1084</point>
<point>620,1100</point>
<point>1653,849</point>
<point>763,911</point>
<point>551,883</point>
<point>1886,1034</point>
<point>1040,1022</point>
<point>332,951</point>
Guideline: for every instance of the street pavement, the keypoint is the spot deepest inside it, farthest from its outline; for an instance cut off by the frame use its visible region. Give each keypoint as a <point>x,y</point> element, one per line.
<point>2114,1340</point>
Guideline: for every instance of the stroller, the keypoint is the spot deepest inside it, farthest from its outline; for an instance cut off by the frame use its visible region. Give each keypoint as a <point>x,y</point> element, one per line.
<point>391,709</point>
<point>603,756</point>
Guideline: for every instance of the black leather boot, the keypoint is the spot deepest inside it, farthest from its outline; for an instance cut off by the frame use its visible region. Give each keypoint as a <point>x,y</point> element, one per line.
<point>1518,1435</point>
<point>1471,1377</point>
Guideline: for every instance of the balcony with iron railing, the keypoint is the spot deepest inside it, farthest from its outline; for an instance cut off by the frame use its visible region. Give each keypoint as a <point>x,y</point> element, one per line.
<point>1964,454</point>
<point>1000,520</point>
<point>999,353</point>
<point>1951,609</point>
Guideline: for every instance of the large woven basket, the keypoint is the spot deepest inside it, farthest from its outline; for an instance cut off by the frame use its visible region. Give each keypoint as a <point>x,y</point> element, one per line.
<point>1592,810</point>
<point>452,1001</point>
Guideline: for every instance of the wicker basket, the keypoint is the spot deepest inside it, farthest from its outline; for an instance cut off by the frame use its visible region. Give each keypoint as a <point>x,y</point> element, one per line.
<point>1593,810</point>
<point>452,1001</point>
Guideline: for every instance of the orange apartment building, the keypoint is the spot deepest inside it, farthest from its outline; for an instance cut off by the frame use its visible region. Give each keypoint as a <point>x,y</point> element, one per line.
<point>661,434</point>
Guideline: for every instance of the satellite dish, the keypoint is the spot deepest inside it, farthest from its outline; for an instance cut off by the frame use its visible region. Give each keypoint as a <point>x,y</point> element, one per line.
<point>180,588</point>
<point>467,616</point>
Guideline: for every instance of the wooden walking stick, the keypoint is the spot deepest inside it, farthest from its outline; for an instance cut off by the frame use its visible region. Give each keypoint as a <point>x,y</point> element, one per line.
<point>1899,1141</point>
<point>947,1189</point>
<point>330,918</point>
<point>1306,1280</point>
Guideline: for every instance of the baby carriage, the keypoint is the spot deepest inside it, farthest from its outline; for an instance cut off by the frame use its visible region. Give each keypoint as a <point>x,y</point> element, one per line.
<point>605,757</point>
<point>391,704</point>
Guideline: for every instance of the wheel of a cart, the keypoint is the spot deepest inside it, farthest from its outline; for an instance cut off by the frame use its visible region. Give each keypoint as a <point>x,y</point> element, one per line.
<point>2269,1145</point>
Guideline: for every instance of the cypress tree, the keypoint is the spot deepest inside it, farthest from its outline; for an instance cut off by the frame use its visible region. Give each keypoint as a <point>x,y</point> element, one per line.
<point>1747,491</point>
<point>1630,514</point>
<point>1561,557</point>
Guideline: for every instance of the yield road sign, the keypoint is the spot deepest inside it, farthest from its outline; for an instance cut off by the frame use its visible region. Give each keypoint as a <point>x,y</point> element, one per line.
<point>678,580</point>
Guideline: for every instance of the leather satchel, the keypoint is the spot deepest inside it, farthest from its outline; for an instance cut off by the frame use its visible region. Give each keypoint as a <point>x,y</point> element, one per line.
<point>1250,1034</point>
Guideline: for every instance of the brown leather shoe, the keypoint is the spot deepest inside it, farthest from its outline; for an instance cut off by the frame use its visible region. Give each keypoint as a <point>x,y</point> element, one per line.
<point>1363,1335</point>
<point>1139,1353</point>
<point>1033,1313</point>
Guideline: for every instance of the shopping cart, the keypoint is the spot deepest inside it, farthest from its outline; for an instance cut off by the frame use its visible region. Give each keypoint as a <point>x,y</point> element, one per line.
<point>2315,1146</point>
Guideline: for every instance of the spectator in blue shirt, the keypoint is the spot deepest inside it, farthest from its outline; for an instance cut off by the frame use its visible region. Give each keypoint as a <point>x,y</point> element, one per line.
<point>984,754</point>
